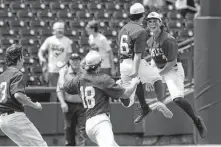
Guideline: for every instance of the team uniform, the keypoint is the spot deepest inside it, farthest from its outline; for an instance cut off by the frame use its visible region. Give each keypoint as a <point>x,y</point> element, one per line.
<point>132,39</point>
<point>165,49</point>
<point>13,121</point>
<point>95,90</point>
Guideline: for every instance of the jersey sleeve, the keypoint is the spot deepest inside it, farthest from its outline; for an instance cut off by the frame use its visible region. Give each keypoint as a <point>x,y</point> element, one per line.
<point>71,86</point>
<point>140,42</point>
<point>17,84</point>
<point>69,48</point>
<point>112,89</point>
<point>170,48</point>
<point>45,45</point>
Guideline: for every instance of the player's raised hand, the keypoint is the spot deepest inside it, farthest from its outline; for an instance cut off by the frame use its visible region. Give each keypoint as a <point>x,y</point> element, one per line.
<point>38,106</point>
<point>135,80</point>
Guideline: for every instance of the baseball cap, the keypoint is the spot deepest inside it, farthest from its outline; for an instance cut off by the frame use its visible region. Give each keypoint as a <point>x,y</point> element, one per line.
<point>75,56</point>
<point>137,8</point>
<point>93,58</point>
<point>154,15</point>
<point>58,25</point>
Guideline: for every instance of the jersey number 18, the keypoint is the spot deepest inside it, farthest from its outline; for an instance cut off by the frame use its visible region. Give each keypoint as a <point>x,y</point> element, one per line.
<point>87,96</point>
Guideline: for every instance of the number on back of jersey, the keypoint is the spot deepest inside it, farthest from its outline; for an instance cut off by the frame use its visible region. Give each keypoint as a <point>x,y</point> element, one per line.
<point>87,96</point>
<point>3,88</point>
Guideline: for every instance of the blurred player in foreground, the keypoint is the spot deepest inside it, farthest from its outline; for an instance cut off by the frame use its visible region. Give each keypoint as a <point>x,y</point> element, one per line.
<point>164,53</point>
<point>13,121</point>
<point>95,88</point>
<point>132,41</point>
<point>74,111</point>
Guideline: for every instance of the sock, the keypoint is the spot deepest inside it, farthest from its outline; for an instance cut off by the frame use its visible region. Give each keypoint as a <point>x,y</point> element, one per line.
<point>159,90</point>
<point>140,95</point>
<point>186,106</point>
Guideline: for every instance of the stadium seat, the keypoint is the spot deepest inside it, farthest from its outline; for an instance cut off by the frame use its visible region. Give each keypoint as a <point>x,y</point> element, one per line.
<point>174,24</point>
<point>17,23</point>
<point>7,15</point>
<point>28,42</point>
<point>76,6</point>
<point>27,33</point>
<point>7,42</point>
<point>45,32</point>
<point>93,6</point>
<point>116,24</point>
<point>38,6</point>
<point>102,15</point>
<point>184,34</point>
<point>75,25</point>
<point>46,15</point>
<point>25,15</point>
<point>174,15</point>
<point>119,15</point>
<point>189,16</point>
<point>33,51</point>
<point>18,6</point>
<point>55,7</point>
<point>71,33</point>
<point>110,34</point>
<point>49,1</point>
<point>7,2</point>
<point>36,24</point>
<point>9,33</point>
<point>111,7</point>
<point>83,15</point>
<point>65,15</point>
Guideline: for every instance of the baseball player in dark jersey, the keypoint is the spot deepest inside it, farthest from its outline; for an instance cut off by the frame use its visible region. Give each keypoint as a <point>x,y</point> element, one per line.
<point>13,121</point>
<point>95,88</point>
<point>74,111</point>
<point>164,52</point>
<point>132,41</point>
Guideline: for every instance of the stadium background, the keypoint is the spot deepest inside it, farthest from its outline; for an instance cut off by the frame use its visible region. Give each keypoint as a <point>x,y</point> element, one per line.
<point>29,22</point>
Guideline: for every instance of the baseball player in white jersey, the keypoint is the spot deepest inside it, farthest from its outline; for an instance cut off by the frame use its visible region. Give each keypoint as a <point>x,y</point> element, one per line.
<point>132,41</point>
<point>164,53</point>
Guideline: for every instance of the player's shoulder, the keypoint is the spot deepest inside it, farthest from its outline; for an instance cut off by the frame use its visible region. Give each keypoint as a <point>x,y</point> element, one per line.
<point>102,37</point>
<point>13,73</point>
<point>168,37</point>
<point>63,69</point>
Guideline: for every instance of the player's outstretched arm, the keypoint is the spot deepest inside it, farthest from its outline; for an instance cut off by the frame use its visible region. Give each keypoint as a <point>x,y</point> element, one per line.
<point>131,88</point>
<point>22,98</point>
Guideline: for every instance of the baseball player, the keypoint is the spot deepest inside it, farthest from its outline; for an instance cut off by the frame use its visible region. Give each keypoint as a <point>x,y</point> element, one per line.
<point>59,50</point>
<point>95,88</point>
<point>164,53</point>
<point>72,107</point>
<point>13,121</point>
<point>132,41</point>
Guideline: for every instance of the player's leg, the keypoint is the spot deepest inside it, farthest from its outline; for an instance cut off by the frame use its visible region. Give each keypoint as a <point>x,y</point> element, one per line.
<point>104,135</point>
<point>81,135</point>
<point>22,131</point>
<point>68,126</point>
<point>175,83</point>
<point>148,74</point>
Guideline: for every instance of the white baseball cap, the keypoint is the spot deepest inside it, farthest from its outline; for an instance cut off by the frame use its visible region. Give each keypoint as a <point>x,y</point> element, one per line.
<point>58,25</point>
<point>92,58</point>
<point>154,15</point>
<point>137,8</point>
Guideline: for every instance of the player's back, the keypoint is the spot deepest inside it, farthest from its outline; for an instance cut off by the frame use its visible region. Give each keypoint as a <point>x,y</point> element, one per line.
<point>11,81</point>
<point>95,91</point>
<point>127,37</point>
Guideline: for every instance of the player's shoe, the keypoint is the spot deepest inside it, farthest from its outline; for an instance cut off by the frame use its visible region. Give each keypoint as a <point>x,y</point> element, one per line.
<point>162,108</point>
<point>201,127</point>
<point>143,111</point>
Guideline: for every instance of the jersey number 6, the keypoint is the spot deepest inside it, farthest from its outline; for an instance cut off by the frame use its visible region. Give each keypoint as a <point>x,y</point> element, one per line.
<point>124,47</point>
<point>88,96</point>
<point>3,87</point>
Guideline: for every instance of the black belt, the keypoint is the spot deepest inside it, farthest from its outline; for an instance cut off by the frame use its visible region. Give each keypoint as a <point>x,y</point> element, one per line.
<point>8,112</point>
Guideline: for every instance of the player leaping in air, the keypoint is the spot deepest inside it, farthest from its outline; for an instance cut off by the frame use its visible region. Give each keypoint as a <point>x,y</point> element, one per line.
<point>132,41</point>
<point>164,53</point>
<point>95,89</point>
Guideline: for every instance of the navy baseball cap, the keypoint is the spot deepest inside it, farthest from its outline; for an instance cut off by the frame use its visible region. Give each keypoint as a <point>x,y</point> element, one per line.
<point>75,56</point>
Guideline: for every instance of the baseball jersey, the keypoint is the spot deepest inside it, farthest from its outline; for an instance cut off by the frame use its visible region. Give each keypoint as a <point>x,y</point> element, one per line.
<point>101,44</point>
<point>58,50</point>
<point>163,49</point>
<point>131,39</point>
<point>11,82</point>
<point>94,90</point>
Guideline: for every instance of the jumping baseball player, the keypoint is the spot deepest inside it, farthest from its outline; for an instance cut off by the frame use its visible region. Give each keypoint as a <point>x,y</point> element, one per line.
<point>95,88</point>
<point>13,121</point>
<point>164,52</point>
<point>132,41</point>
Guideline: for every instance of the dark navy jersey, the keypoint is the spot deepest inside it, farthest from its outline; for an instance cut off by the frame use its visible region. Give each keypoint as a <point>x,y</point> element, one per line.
<point>131,39</point>
<point>95,91</point>
<point>11,82</point>
<point>163,49</point>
